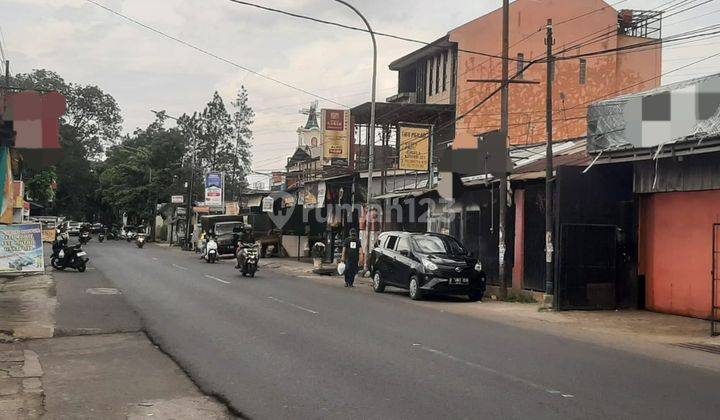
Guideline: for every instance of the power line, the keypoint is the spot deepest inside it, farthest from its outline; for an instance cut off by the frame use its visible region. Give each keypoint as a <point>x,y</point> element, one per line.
<point>211,54</point>
<point>355,28</point>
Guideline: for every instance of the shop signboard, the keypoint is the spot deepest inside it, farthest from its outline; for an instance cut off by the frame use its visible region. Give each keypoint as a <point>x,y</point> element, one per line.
<point>414,147</point>
<point>177,199</point>
<point>336,136</point>
<point>232,208</point>
<point>21,248</point>
<point>267,204</point>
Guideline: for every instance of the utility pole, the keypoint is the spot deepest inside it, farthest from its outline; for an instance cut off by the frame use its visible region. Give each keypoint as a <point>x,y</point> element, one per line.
<point>371,152</point>
<point>549,266</point>
<point>504,124</point>
<point>7,74</point>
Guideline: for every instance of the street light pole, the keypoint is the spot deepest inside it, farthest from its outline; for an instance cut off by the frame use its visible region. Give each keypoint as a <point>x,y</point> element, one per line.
<point>192,177</point>
<point>371,146</point>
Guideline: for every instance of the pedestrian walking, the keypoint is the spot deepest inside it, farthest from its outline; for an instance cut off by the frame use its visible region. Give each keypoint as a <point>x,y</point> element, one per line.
<point>351,257</point>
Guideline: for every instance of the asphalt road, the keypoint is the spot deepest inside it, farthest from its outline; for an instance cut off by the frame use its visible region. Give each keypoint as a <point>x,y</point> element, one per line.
<point>276,346</point>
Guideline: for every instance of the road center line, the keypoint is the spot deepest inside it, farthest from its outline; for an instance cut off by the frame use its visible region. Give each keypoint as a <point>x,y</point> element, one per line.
<point>507,376</point>
<point>217,279</point>
<point>293,305</point>
<point>179,266</point>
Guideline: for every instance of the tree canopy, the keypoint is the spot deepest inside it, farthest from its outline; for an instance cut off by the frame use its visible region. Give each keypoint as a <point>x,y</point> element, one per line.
<point>103,174</point>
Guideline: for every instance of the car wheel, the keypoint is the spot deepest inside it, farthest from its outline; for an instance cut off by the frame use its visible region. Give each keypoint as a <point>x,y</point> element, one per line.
<point>475,296</point>
<point>377,283</point>
<point>415,292</point>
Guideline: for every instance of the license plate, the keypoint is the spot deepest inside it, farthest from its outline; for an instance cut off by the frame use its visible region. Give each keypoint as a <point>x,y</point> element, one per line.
<point>81,254</point>
<point>458,280</point>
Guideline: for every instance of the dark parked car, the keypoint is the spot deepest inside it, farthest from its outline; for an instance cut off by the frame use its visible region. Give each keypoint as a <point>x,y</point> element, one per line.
<point>426,263</point>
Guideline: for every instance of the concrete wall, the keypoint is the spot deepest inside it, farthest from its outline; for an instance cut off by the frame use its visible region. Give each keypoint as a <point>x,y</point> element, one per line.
<point>676,250</point>
<point>528,18</point>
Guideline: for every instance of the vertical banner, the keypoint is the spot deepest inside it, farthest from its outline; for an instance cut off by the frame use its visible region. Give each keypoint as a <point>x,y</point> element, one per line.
<point>21,248</point>
<point>414,147</point>
<point>214,189</point>
<point>336,136</point>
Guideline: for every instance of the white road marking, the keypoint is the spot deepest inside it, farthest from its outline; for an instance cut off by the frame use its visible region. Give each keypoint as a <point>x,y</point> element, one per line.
<point>217,279</point>
<point>155,258</point>
<point>507,376</point>
<point>293,305</point>
<point>179,266</point>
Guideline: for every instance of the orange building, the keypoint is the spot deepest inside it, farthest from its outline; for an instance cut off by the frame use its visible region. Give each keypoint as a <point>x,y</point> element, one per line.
<point>443,71</point>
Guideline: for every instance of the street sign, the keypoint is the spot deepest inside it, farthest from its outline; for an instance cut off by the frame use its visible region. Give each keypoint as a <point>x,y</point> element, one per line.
<point>268,204</point>
<point>177,199</point>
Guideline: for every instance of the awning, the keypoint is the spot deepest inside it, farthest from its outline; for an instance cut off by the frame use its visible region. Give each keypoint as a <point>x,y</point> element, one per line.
<point>401,194</point>
<point>392,113</point>
<point>254,201</point>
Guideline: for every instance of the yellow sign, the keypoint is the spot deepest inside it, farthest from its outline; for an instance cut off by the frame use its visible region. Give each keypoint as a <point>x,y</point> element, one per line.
<point>48,235</point>
<point>414,148</point>
<point>336,134</point>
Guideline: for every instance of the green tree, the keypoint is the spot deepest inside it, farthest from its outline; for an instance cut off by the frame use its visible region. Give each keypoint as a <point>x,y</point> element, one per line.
<point>223,141</point>
<point>144,169</point>
<point>92,122</point>
<point>39,187</point>
<point>243,118</point>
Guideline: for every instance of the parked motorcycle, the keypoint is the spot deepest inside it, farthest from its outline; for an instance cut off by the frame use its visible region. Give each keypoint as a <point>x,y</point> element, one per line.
<point>84,238</point>
<point>211,251</point>
<point>101,237</point>
<point>140,241</point>
<point>70,257</point>
<point>247,259</point>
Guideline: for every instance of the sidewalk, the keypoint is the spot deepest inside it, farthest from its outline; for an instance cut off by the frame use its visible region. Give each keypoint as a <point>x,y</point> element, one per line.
<point>72,348</point>
<point>633,330</point>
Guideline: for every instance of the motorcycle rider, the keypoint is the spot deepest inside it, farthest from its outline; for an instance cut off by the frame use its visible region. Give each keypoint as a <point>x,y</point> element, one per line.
<point>61,240</point>
<point>245,239</point>
<point>211,244</point>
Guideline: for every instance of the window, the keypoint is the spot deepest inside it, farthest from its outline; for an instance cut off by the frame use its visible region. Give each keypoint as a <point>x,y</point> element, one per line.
<point>453,75</point>
<point>583,71</point>
<point>430,75</point>
<point>444,70</point>
<point>520,65</point>
<point>437,74</point>
<point>431,244</point>
<point>390,244</point>
<point>403,245</point>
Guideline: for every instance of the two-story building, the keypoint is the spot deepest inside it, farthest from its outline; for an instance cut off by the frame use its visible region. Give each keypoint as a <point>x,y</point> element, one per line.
<point>459,70</point>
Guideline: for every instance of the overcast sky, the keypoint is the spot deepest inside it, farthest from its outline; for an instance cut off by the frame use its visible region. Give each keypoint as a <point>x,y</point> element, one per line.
<point>143,71</point>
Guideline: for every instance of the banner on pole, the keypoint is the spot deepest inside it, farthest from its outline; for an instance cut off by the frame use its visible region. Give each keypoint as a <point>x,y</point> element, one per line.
<point>414,147</point>
<point>214,189</point>
<point>21,248</point>
<point>336,136</point>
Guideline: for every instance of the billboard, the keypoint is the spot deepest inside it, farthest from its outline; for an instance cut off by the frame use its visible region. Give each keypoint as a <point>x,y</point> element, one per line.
<point>214,189</point>
<point>414,147</point>
<point>21,248</point>
<point>336,136</point>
